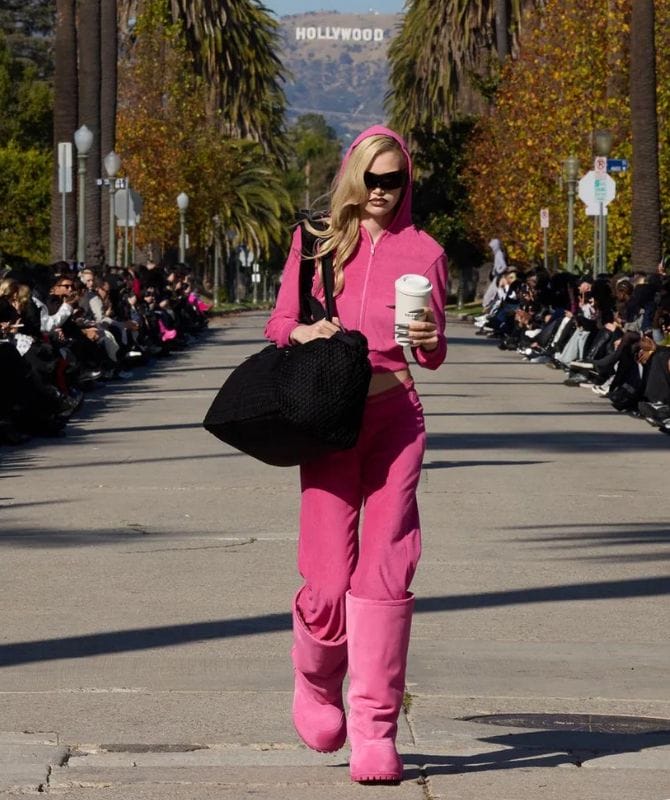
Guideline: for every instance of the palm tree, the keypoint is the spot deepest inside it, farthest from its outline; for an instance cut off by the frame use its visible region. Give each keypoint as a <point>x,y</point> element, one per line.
<point>234,44</point>
<point>646,211</point>
<point>257,204</point>
<point>108,65</point>
<point>89,115</point>
<point>65,119</point>
<point>441,44</point>
<point>503,43</point>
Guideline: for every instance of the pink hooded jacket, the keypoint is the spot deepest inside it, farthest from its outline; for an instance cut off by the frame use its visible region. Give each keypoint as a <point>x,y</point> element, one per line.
<point>367,300</point>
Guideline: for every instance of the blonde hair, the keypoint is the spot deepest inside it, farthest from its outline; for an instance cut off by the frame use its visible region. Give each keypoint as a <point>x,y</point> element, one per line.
<point>8,287</point>
<point>23,294</point>
<point>348,194</point>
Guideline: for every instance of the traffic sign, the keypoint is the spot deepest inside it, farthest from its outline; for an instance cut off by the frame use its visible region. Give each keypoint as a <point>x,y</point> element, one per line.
<point>64,167</point>
<point>595,190</point>
<point>544,218</point>
<point>600,166</point>
<point>127,201</point>
<point>617,165</point>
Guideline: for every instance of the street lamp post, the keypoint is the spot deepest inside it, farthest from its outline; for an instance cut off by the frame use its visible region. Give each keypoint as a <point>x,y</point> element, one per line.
<point>602,144</point>
<point>112,164</point>
<point>217,259</point>
<point>83,140</point>
<point>182,205</point>
<point>234,266</point>
<point>570,173</point>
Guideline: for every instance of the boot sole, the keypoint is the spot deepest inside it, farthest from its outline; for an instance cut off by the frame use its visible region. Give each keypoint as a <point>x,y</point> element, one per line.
<point>335,747</point>
<point>377,779</point>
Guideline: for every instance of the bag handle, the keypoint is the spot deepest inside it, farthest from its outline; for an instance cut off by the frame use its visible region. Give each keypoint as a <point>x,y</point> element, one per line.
<point>307,267</point>
<point>328,278</point>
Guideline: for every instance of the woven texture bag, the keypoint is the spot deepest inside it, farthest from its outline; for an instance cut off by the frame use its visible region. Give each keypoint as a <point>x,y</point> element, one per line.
<point>289,405</point>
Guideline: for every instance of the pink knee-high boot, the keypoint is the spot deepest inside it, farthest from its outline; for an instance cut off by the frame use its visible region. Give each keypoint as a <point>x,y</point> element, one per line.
<point>320,667</point>
<point>378,639</point>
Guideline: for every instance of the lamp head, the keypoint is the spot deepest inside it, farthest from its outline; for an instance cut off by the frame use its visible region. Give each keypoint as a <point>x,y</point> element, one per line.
<point>182,201</point>
<point>602,142</point>
<point>571,168</point>
<point>83,140</point>
<point>112,164</point>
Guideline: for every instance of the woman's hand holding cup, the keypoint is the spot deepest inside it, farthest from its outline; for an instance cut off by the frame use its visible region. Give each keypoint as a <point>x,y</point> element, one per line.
<point>423,333</point>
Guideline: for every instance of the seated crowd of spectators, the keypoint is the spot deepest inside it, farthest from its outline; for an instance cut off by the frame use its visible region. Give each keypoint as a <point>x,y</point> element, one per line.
<point>62,331</point>
<point>610,334</point>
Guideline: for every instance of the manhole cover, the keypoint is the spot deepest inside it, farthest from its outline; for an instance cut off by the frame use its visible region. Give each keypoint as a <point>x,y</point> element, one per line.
<point>579,723</point>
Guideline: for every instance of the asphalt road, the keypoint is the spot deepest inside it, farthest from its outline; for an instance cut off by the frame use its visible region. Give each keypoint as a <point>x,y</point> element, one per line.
<point>147,572</point>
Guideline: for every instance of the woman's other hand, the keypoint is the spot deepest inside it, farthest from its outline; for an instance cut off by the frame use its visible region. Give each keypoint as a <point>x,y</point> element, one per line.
<point>423,333</point>
<point>323,329</point>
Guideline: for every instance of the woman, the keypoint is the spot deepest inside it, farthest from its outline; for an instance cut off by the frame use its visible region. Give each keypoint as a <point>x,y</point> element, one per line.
<point>354,609</point>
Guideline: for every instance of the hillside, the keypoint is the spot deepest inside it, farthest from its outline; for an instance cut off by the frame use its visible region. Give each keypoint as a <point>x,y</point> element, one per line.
<point>338,67</point>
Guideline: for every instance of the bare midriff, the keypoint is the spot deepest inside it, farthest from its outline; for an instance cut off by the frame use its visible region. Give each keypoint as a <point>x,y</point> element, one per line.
<point>382,381</point>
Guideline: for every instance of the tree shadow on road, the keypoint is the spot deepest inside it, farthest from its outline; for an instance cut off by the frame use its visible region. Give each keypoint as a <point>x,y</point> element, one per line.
<point>573,541</point>
<point>552,441</point>
<point>132,640</point>
<point>498,463</point>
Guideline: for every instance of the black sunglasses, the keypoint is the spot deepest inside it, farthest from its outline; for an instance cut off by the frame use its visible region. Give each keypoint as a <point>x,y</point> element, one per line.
<point>386,180</point>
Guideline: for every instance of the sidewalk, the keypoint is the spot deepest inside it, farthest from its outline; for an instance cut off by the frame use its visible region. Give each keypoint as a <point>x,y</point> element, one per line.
<point>147,574</point>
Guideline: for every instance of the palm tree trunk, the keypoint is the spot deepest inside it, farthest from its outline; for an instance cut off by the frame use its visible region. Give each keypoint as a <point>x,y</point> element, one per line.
<point>646,212</point>
<point>108,58</point>
<point>65,122</point>
<point>89,114</point>
<point>502,30</point>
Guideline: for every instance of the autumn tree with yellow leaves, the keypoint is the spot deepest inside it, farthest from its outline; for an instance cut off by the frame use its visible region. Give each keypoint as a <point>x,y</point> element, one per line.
<point>571,78</point>
<point>169,144</point>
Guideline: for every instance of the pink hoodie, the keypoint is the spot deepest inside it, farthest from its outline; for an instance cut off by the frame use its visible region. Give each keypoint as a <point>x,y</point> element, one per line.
<point>367,300</point>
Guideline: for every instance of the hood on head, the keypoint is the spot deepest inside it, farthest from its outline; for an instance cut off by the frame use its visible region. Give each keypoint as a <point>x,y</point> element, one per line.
<point>494,244</point>
<point>403,215</point>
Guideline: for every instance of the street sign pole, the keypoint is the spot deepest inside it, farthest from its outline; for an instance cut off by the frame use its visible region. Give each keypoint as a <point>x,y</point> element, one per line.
<point>64,187</point>
<point>544,224</point>
<point>125,227</point>
<point>600,170</point>
<point>63,213</point>
<point>605,266</point>
<point>597,190</point>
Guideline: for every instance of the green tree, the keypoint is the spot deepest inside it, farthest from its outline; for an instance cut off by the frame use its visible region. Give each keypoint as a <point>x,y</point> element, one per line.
<point>24,212</point>
<point>25,102</point>
<point>441,205</point>
<point>25,121</point>
<point>315,156</point>
<point>28,27</point>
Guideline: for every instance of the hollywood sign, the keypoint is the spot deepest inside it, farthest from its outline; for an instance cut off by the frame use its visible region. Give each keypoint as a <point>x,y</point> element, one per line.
<point>339,34</point>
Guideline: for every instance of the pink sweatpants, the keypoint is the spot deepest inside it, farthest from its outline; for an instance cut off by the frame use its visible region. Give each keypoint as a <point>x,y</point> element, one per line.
<point>380,476</point>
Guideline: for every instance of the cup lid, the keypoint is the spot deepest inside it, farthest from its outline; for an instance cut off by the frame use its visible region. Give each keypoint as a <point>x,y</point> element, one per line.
<point>413,284</point>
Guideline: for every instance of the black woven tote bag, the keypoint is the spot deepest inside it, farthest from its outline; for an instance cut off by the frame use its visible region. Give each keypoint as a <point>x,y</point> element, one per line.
<point>289,405</point>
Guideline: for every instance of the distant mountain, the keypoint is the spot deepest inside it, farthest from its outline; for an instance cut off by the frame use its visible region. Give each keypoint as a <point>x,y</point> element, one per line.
<point>338,67</point>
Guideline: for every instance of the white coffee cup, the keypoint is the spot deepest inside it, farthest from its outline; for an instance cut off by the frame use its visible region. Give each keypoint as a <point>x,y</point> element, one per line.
<point>412,293</point>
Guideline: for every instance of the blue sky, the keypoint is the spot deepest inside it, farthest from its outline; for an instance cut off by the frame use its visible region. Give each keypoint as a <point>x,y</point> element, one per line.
<point>282,7</point>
